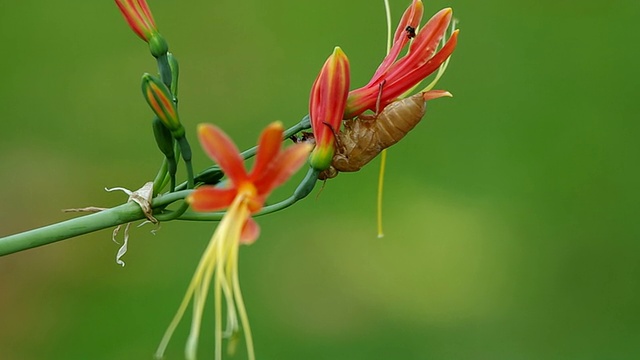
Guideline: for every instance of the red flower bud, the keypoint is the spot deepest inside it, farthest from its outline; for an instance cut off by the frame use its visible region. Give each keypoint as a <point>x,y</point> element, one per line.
<point>327,105</point>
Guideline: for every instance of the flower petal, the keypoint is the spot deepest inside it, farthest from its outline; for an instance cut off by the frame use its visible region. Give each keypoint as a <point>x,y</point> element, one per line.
<point>432,32</point>
<point>148,17</point>
<point>223,151</point>
<point>250,232</point>
<point>416,75</point>
<point>329,95</point>
<point>424,45</point>
<point>411,17</point>
<point>326,106</point>
<point>435,94</point>
<point>138,16</point>
<point>283,166</point>
<point>268,148</point>
<point>210,198</point>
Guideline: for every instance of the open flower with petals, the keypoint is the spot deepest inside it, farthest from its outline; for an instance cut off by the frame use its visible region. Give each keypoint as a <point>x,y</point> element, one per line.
<point>326,107</point>
<point>394,76</point>
<point>243,194</point>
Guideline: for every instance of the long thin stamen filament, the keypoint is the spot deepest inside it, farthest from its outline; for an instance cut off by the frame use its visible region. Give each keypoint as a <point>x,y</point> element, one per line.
<point>383,154</point>
<point>383,165</point>
<point>387,10</point>
<point>218,315</point>
<point>199,299</point>
<point>241,309</point>
<point>206,259</point>
<point>223,246</point>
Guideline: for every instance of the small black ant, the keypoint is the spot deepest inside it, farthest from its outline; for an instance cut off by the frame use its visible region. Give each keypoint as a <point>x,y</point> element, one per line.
<point>304,137</point>
<point>411,31</point>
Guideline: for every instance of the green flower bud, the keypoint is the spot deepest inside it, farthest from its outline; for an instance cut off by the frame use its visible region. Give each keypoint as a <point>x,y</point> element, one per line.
<point>161,102</point>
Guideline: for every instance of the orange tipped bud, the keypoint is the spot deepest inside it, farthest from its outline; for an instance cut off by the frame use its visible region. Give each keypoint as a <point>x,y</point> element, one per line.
<point>326,107</point>
<point>161,102</point>
<point>140,20</point>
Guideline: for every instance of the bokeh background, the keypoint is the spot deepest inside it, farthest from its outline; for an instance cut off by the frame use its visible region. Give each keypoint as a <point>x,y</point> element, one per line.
<point>511,212</point>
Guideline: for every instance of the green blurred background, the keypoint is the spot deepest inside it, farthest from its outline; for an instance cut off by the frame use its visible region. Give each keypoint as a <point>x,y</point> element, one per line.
<point>511,211</point>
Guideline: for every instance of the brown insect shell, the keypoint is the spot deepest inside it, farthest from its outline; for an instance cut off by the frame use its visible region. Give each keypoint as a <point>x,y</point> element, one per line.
<point>363,139</point>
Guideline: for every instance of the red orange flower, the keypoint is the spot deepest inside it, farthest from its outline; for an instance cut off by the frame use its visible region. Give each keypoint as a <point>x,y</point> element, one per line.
<point>326,107</point>
<point>272,168</point>
<point>243,194</point>
<point>395,77</point>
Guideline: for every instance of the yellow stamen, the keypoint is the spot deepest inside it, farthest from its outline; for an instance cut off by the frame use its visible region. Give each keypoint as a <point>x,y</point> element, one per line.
<point>383,153</point>
<point>387,10</point>
<point>383,164</point>
<point>220,263</point>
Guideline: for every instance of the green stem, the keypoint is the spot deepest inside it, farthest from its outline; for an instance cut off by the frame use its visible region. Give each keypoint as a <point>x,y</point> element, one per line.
<point>158,182</point>
<point>130,211</point>
<point>169,215</point>
<point>185,148</point>
<point>115,216</point>
<point>186,156</point>
<point>304,124</point>
<point>67,229</point>
<point>165,70</point>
